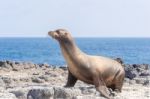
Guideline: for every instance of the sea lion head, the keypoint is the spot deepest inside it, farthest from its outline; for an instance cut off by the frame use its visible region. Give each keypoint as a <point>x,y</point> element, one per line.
<point>60,35</point>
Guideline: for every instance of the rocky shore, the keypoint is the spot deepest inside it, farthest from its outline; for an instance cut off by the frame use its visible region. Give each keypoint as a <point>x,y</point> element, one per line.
<point>26,80</point>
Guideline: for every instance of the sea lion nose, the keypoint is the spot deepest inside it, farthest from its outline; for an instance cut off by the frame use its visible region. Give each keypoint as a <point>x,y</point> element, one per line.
<point>50,33</point>
<point>53,34</point>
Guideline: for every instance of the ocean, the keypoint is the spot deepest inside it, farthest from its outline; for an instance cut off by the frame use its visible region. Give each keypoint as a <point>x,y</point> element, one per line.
<point>46,50</point>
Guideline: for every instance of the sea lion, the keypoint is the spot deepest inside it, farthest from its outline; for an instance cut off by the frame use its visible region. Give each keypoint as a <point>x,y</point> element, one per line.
<point>97,70</point>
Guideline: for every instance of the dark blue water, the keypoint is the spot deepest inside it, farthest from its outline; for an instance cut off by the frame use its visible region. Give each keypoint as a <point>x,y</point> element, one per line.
<point>46,50</point>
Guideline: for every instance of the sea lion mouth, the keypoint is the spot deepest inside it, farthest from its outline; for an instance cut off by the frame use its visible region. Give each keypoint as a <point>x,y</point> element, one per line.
<point>59,35</point>
<point>53,34</point>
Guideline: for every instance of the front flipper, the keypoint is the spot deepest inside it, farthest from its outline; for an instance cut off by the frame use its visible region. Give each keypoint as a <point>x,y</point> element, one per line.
<point>101,86</point>
<point>71,80</point>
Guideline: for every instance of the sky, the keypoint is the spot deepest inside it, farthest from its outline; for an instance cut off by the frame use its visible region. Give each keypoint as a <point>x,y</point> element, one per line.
<point>83,18</point>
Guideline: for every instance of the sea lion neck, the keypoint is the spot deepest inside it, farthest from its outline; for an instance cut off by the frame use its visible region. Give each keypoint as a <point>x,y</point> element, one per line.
<point>70,51</point>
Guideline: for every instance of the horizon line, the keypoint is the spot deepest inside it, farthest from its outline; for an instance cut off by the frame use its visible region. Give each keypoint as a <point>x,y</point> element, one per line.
<point>73,37</point>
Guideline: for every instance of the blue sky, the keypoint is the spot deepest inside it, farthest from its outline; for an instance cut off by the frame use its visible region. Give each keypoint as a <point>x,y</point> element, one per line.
<point>84,18</point>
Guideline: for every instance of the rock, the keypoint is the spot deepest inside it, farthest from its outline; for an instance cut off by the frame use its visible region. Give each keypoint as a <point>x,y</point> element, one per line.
<point>25,79</point>
<point>17,67</point>
<point>45,77</point>
<point>141,80</point>
<point>140,68</point>
<point>37,80</point>
<point>5,65</point>
<point>15,79</point>
<point>7,80</point>
<point>145,73</point>
<point>36,66</point>
<point>65,93</point>
<point>132,81</point>
<point>2,83</point>
<point>130,74</point>
<point>18,63</point>
<point>41,93</point>
<point>19,94</point>
<point>36,73</point>
<point>48,73</point>
<point>7,95</point>
<point>45,65</point>
<point>132,71</point>
<point>25,65</point>
<point>145,66</point>
<point>119,60</point>
<point>64,67</point>
<point>51,74</point>
<point>10,62</point>
<point>136,65</point>
<point>88,90</point>
<point>87,97</point>
<point>1,63</point>
<point>31,65</point>
<point>146,83</point>
<point>126,80</point>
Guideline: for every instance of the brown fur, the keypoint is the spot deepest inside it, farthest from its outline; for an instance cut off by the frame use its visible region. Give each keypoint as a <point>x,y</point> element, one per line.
<point>97,70</point>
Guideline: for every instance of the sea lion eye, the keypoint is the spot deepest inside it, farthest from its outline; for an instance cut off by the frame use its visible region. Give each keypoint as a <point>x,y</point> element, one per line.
<point>58,32</point>
<point>66,33</point>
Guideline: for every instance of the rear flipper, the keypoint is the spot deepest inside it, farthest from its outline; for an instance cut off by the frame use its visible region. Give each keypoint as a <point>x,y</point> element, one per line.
<point>118,82</point>
<point>101,87</point>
